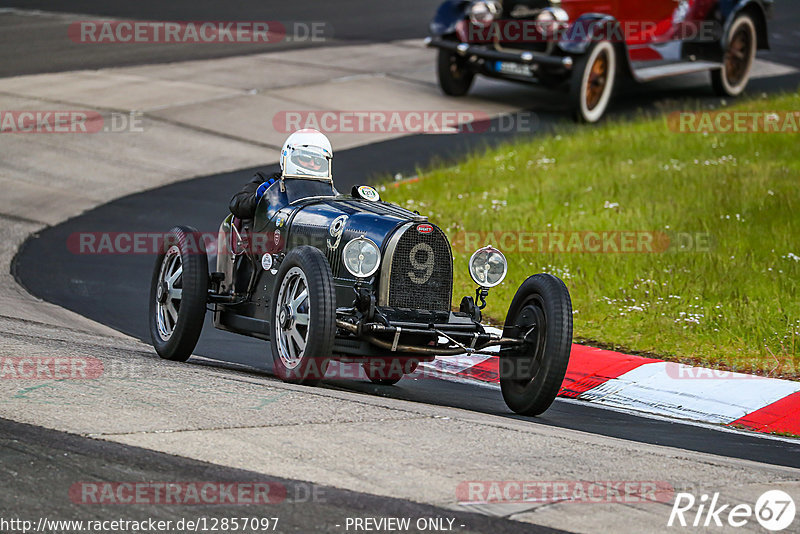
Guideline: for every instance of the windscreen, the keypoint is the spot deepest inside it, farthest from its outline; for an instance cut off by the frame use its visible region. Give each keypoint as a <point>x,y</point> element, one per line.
<point>297,189</point>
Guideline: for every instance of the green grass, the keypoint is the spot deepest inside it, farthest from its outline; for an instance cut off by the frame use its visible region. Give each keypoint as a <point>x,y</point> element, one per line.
<point>733,306</point>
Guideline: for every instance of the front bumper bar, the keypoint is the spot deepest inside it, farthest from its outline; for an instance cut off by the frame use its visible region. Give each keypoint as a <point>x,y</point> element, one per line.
<point>484,52</point>
<point>473,343</point>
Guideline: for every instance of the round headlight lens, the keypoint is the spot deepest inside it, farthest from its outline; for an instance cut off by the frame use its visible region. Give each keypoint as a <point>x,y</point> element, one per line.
<point>482,13</point>
<point>550,19</point>
<point>361,257</point>
<point>488,267</point>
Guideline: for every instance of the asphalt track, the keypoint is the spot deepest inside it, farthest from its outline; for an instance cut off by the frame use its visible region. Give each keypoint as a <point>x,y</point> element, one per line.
<point>36,44</point>
<point>45,465</point>
<point>31,43</point>
<point>353,20</point>
<point>112,289</point>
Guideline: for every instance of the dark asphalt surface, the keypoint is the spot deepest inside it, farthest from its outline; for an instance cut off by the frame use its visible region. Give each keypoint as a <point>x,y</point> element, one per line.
<point>32,44</point>
<point>40,43</point>
<point>42,466</point>
<point>112,289</point>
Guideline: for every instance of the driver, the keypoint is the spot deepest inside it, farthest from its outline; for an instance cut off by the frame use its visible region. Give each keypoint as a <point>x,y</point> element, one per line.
<point>305,154</point>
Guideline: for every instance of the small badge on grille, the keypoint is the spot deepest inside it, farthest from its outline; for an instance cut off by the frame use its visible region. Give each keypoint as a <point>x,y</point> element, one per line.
<point>424,228</point>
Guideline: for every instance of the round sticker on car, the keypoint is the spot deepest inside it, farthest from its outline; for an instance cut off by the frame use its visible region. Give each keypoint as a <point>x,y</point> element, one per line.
<point>368,193</point>
<point>266,262</point>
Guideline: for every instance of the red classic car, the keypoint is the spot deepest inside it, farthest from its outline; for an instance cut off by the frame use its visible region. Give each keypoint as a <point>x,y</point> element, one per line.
<point>584,46</point>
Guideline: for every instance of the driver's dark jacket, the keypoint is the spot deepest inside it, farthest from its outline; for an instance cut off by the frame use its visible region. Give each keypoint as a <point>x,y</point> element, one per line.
<point>243,204</point>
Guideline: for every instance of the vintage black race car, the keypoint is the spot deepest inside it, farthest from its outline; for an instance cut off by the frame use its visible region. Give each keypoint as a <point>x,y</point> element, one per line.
<point>326,276</point>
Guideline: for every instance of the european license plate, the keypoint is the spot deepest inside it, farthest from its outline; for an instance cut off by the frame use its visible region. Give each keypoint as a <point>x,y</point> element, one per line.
<point>516,69</point>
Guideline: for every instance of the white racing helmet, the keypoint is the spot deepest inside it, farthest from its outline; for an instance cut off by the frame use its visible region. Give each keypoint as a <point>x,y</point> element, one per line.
<point>307,154</point>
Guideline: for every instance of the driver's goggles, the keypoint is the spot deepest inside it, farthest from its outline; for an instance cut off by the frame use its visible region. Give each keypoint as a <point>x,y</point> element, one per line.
<point>309,160</point>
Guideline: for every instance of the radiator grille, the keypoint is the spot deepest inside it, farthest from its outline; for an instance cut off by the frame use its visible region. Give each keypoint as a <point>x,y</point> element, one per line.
<point>422,270</point>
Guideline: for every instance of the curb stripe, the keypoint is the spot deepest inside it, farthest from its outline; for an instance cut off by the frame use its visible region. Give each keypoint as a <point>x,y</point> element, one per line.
<point>780,416</point>
<point>664,388</point>
<point>590,367</point>
<point>486,371</point>
<point>673,390</point>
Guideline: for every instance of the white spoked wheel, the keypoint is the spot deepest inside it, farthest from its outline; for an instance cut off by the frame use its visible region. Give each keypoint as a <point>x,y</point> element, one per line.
<point>178,294</point>
<point>169,293</point>
<point>292,325</point>
<point>303,318</point>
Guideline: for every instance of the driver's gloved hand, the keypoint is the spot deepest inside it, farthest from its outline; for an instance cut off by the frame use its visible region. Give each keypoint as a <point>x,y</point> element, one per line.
<point>263,187</point>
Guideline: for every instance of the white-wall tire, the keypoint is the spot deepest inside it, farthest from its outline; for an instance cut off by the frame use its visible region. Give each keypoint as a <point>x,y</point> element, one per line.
<point>740,54</point>
<point>593,81</point>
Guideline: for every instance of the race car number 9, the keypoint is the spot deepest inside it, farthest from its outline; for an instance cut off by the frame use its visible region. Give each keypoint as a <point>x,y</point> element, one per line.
<point>425,266</point>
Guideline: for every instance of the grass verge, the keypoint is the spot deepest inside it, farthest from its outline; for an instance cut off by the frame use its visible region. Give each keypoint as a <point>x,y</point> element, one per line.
<point>720,288</point>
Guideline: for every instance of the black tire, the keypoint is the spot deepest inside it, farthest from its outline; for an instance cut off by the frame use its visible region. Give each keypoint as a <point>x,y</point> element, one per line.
<point>455,76</point>
<point>175,336</point>
<point>307,364</point>
<point>389,372</point>
<point>739,55</point>
<point>595,70</point>
<point>531,376</point>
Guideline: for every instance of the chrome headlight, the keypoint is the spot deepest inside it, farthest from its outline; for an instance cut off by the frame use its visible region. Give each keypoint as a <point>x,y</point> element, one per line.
<point>483,12</point>
<point>550,19</point>
<point>361,257</point>
<point>488,267</point>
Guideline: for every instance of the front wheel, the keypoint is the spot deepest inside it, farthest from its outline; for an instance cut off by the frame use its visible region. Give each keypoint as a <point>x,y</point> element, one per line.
<point>592,83</point>
<point>303,318</point>
<point>178,294</point>
<point>531,374</point>
<point>737,64</point>
<point>455,76</point>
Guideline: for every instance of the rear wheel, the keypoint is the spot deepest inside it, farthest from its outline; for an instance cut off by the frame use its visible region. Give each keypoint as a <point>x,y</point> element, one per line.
<point>389,372</point>
<point>737,64</point>
<point>531,375</point>
<point>592,84</point>
<point>178,294</point>
<point>303,318</point>
<point>455,76</point>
